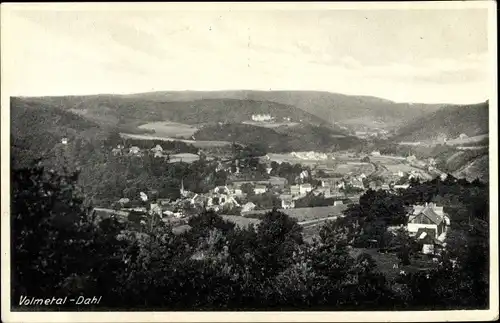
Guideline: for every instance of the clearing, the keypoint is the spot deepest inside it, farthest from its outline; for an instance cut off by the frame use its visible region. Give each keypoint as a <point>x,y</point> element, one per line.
<point>170,129</point>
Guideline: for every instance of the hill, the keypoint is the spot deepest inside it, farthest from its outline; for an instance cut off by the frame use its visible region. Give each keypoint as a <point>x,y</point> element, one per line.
<point>36,128</point>
<point>354,111</point>
<point>449,122</point>
<point>131,111</point>
<point>283,139</point>
<point>476,169</point>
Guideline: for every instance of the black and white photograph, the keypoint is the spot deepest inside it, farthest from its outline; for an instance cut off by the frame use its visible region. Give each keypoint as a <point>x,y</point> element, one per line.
<point>249,162</point>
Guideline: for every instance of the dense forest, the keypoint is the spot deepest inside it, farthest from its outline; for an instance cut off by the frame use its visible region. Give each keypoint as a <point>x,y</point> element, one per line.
<point>218,266</point>
<point>282,139</point>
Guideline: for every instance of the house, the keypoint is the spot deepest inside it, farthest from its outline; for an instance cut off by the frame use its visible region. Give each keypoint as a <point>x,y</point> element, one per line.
<point>123,201</point>
<point>401,186</point>
<point>236,191</point>
<point>340,202</point>
<point>295,190</point>
<point>305,188</point>
<point>426,237</point>
<point>259,189</point>
<point>428,216</point>
<point>221,190</point>
<point>385,187</point>
<point>356,182</point>
<point>287,202</point>
<point>463,136</point>
<point>278,181</point>
<point>157,148</point>
<point>134,150</point>
<point>117,151</point>
<point>411,158</point>
<point>325,191</point>
<point>375,153</point>
<point>248,207</point>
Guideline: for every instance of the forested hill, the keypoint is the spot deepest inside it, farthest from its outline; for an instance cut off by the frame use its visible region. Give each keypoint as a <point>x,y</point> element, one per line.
<point>36,128</point>
<point>125,110</point>
<point>331,107</point>
<point>449,121</point>
<point>286,139</point>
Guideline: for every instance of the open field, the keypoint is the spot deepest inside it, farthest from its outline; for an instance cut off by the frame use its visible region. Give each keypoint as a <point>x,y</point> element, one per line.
<point>304,214</point>
<point>170,129</point>
<point>196,143</point>
<point>270,124</point>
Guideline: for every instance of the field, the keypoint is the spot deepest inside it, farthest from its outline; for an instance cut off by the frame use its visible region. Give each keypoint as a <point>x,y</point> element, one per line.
<point>356,168</point>
<point>196,143</point>
<point>170,129</point>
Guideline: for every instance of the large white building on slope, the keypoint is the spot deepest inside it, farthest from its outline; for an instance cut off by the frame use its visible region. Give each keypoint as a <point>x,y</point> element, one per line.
<point>262,117</point>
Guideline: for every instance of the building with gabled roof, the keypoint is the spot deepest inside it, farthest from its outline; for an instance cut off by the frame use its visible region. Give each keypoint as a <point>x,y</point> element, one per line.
<point>428,216</point>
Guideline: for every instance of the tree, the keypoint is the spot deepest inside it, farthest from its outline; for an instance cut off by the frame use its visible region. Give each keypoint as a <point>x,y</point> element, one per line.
<point>52,235</point>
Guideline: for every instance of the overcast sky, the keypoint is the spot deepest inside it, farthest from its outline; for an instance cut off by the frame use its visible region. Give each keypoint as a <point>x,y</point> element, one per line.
<point>401,55</point>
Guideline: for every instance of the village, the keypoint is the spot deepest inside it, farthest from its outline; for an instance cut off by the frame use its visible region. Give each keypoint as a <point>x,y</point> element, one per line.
<point>325,186</point>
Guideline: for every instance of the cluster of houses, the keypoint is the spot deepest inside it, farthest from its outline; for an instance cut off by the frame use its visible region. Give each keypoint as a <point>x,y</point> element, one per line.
<point>156,151</point>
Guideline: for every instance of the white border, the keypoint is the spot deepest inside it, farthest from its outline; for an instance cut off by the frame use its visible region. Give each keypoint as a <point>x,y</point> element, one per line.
<point>8,316</point>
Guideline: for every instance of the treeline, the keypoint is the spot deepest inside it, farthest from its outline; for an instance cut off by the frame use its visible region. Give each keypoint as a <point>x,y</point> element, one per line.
<point>218,266</point>
<point>174,146</point>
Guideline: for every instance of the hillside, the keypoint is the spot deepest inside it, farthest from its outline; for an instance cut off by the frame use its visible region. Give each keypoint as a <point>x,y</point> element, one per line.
<point>283,139</point>
<point>476,169</point>
<point>449,121</point>
<point>352,110</point>
<point>127,111</point>
<point>36,128</point>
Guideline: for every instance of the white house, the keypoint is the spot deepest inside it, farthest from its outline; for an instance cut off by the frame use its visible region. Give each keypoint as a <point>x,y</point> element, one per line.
<point>287,202</point>
<point>259,189</point>
<point>134,150</point>
<point>295,190</point>
<point>248,207</point>
<point>375,153</point>
<point>305,188</point>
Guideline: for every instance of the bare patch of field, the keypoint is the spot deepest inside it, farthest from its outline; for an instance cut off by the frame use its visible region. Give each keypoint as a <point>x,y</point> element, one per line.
<point>170,129</point>
<point>357,168</point>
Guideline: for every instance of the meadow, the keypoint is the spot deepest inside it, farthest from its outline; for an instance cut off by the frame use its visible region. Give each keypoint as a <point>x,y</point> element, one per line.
<point>170,129</point>
<point>356,169</point>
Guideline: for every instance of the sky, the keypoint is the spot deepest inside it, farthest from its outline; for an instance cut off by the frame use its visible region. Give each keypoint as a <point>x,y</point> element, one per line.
<point>427,56</point>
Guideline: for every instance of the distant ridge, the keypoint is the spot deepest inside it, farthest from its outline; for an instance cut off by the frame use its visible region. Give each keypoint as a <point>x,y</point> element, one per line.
<point>450,122</point>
